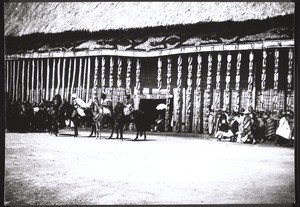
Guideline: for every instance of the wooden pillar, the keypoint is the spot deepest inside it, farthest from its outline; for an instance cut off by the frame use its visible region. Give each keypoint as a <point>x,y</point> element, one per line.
<point>23,81</point>
<point>250,80</point>
<point>169,79</point>
<point>42,80</point>
<point>208,93</point>
<point>217,103</point>
<point>289,81</point>
<point>79,92</point>
<point>48,80</point>
<point>63,79</point>
<point>128,76</point>
<point>119,81</point>
<point>69,80</point>
<point>227,87</point>
<point>237,82</point>
<point>178,93</point>
<point>103,74</point>
<point>37,81</point>
<point>17,81</point>
<point>53,78</point>
<point>32,81</point>
<point>137,78</point>
<point>74,75</point>
<point>14,81</point>
<point>159,78</point>
<point>111,80</point>
<point>58,77</point>
<point>198,93</point>
<point>84,78</point>
<point>189,95</point>
<point>27,82</point>
<point>276,76</point>
<point>95,79</point>
<point>263,81</point>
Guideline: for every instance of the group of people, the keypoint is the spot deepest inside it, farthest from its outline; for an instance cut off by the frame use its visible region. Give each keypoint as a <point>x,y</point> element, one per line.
<point>249,126</point>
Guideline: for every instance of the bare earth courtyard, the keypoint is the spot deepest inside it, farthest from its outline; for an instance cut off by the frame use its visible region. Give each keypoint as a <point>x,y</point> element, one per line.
<point>63,170</point>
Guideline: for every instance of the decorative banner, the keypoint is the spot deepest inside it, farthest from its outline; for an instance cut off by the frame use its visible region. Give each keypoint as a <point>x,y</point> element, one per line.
<point>111,80</point>
<point>218,88</point>
<point>95,79</point>
<point>69,80</point>
<point>58,77</point>
<point>128,78</point>
<point>250,80</point>
<point>17,82</point>
<point>167,116</point>
<point>63,79</point>
<point>237,82</point>
<point>276,75</point>
<point>189,94</point>
<point>119,81</point>
<point>80,88</point>
<point>178,93</point>
<point>32,81</point>
<point>208,93</point>
<point>289,80</point>
<point>159,78</point>
<point>74,74</point>
<point>227,87</point>
<point>88,80</point>
<point>27,83</point>
<point>263,80</point>
<point>23,80</point>
<point>198,94</point>
<point>138,72</point>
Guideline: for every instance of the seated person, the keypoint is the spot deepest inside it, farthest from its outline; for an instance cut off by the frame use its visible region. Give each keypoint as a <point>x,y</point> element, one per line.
<point>158,125</point>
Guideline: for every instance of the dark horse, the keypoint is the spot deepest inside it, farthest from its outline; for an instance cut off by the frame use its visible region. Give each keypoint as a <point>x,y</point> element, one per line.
<point>92,115</point>
<point>137,117</point>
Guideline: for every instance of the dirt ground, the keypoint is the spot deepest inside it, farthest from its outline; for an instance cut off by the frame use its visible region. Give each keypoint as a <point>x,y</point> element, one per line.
<point>46,170</point>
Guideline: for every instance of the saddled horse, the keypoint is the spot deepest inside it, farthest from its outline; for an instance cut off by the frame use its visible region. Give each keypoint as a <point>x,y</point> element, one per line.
<point>136,116</point>
<point>101,113</point>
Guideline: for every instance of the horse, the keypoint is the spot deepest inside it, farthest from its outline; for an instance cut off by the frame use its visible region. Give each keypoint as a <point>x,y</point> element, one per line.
<point>136,116</point>
<point>101,114</point>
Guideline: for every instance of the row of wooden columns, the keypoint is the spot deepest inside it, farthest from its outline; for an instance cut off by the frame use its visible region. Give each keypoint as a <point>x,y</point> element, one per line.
<point>192,90</point>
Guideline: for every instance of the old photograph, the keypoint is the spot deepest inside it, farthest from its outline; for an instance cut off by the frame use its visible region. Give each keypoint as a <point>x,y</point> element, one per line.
<point>143,103</point>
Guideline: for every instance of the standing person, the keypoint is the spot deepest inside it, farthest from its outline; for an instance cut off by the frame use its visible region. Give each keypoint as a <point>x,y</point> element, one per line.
<point>283,132</point>
<point>211,121</point>
<point>270,127</point>
<point>240,119</point>
<point>261,127</point>
<point>128,108</point>
<point>247,136</point>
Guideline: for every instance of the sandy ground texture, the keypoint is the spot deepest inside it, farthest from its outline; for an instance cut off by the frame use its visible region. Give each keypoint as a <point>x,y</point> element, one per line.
<point>46,170</point>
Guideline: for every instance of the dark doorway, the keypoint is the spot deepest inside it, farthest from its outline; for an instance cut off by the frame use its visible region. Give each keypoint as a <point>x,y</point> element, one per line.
<point>148,106</point>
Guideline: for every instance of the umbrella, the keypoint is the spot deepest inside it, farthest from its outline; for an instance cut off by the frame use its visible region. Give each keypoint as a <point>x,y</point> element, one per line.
<point>161,106</point>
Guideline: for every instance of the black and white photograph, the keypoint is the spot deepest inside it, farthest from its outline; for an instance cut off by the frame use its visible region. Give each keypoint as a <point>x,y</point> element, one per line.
<point>149,103</point>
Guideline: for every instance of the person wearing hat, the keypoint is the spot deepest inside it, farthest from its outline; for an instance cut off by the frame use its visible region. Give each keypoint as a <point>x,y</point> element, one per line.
<point>80,105</point>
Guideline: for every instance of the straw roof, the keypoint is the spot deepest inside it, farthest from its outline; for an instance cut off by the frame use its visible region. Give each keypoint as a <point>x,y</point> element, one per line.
<point>57,17</point>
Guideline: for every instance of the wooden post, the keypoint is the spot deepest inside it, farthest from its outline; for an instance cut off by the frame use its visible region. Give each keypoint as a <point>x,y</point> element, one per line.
<point>167,115</point>
<point>103,74</point>
<point>111,80</point>
<point>58,77</point>
<point>227,88</point>
<point>250,80</point>
<point>198,93</point>
<point>63,79</point>
<point>74,74</point>
<point>95,79</point>
<point>178,94</point>
<point>138,72</point>
<point>189,95</point>
<point>53,78</point>
<point>119,81</point>
<point>79,92</point>
<point>23,80</point>
<point>47,80</point>
<point>88,80</point>
<point>218,89</point>
<point>69,80</point>
<point>28,80</point>
<point>37,81</point>
<point>42,79</point>
<point>159,79</point>
<point>289,81</point>
<point>84,78</point>
<point>128,78</point>
<point>208,93</point>
<point>17,82</point>
<point>263,80</point>
<point>237,81</point>
<point>276,76</point>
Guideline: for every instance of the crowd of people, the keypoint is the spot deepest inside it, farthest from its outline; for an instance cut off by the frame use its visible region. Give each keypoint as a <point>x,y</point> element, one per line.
<point>250,126</point>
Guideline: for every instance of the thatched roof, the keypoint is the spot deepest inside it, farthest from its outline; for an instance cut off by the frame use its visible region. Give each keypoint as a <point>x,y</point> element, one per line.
<point>49,17</point>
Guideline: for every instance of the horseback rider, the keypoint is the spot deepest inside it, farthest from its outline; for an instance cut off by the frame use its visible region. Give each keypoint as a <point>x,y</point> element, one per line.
<point>128,104</point>
<point>80,105</point>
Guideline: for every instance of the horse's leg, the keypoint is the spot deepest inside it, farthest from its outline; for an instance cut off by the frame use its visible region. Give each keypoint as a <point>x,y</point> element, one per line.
<point>112,127</point>
<point>94,128</point>
<point>137,134</point>
<point>75,128</point>
<point>121,132</point>
<point>144,134</point>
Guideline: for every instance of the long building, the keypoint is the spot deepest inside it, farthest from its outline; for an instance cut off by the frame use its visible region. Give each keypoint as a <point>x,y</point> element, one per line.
<point>191,56</point>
